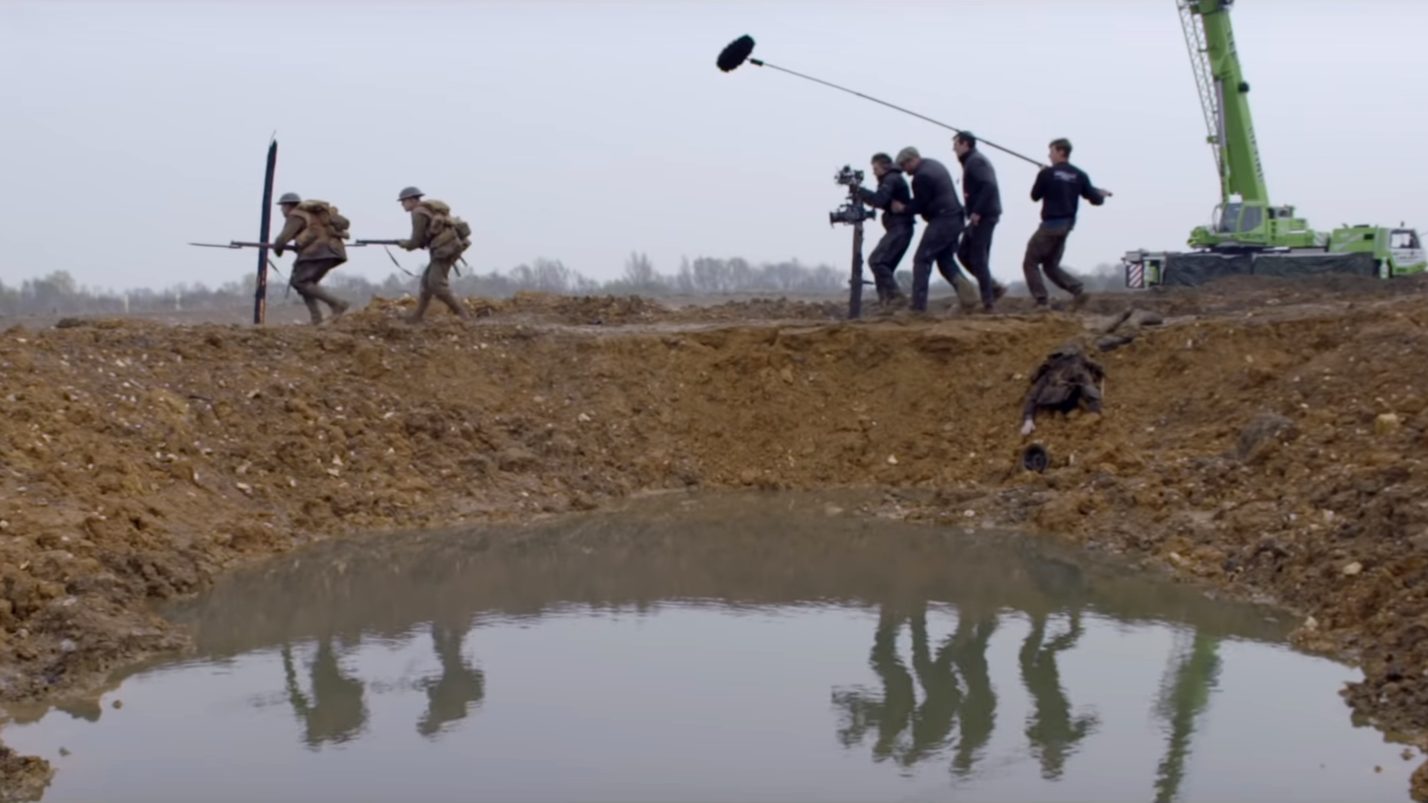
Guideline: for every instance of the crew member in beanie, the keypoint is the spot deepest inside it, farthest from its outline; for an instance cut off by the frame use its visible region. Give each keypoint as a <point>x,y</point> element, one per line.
<point>934,197</point>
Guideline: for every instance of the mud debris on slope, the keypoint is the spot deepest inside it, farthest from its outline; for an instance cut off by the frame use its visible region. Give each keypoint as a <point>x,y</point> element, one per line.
<point>1272,450</point>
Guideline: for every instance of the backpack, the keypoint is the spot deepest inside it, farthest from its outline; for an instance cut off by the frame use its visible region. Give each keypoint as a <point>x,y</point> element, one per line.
<point>448,237</point>
<point>324,224</point>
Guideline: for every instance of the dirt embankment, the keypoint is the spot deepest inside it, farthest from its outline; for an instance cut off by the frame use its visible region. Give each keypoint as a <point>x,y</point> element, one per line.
<point>1274,448</point>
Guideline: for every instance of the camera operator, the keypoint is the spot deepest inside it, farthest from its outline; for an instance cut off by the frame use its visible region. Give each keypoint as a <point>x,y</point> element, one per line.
<point>897,227</point>
<point>934,196</point>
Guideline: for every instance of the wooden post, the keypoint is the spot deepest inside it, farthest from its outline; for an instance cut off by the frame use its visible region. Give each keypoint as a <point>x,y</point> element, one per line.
<point>260,296</point>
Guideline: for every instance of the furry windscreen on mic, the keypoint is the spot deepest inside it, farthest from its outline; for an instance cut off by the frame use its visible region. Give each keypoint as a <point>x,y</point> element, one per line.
<point>736,53</point>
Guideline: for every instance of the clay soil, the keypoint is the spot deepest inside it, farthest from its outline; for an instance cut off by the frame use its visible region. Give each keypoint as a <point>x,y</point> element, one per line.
<point>1266,440</point>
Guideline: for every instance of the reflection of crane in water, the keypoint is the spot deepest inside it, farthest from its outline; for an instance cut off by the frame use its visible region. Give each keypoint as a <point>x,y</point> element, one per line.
<point>336,712</point>
<point>1184,695</point>
<point>456,689</point>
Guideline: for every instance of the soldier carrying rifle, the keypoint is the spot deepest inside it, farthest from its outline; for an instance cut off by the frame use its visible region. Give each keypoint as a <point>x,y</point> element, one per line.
<point>445,237</point>
<point>316,230</point>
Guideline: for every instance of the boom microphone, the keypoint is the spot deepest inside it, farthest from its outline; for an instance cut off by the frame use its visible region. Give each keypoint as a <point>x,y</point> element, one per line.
<point>740,50</point>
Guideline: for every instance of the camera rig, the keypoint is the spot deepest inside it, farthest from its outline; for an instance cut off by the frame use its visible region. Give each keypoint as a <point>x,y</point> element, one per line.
<point>853,212</point>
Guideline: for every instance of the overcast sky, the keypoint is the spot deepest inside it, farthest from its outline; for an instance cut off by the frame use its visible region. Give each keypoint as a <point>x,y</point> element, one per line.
<point>581,131</point>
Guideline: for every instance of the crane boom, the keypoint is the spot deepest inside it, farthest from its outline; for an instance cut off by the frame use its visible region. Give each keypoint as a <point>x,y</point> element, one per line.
<point>1244,219</point>
<point>1204,79</point>
<point>1224,92</point>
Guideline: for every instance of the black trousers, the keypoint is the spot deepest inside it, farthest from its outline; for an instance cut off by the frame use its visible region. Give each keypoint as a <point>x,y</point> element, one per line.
<point>885,258</point>
<point>939,246</point>
<point>975,254</point>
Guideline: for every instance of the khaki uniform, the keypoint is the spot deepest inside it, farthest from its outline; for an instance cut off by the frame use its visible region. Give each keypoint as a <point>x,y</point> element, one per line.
<point>432,230</point>
<point>319,250</point>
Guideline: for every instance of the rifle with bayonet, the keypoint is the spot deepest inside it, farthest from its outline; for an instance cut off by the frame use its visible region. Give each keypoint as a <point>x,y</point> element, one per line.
<point>235,244</point>
<point>238,244</point>
<point>385,243</point>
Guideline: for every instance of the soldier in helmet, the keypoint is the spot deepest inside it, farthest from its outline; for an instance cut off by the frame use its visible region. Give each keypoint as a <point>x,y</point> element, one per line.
<point>445,238</point>
<point>316,231</point>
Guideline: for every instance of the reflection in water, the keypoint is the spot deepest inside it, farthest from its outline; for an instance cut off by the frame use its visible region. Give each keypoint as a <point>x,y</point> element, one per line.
<point>1052,730</point>
<point>907,732</point>
<point>889,713</point>
<point>956,682</point>
<point>942,684</point>
<point>979,708</point>
<point>1183,698</point>
<point>458,687</point>
<point>639,616</point>
<point>336,713</point>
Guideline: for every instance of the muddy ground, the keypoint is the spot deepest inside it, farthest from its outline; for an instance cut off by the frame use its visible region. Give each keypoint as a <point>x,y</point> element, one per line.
<point>1267,439</point>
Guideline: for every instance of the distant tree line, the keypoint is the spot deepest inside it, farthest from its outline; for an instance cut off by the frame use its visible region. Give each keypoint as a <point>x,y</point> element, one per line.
<point>59,294</point>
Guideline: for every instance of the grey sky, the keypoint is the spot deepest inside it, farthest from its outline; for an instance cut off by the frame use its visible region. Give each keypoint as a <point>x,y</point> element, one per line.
<point>584,130</point>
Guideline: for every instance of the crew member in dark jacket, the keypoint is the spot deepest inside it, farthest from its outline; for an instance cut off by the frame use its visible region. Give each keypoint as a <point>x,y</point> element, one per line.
<point>897,227</point>
<point>984,210</point>
<point>1060,189</point>
<point>934,196</point>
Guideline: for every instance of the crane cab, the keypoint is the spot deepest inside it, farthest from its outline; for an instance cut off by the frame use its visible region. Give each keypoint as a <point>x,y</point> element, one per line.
<point>1240,225</point>
<point>1396,251</point>
<point>1405,252</point>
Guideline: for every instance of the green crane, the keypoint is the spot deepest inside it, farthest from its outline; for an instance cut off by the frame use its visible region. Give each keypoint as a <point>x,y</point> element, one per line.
<point>1245,218</point>
<point>1248,233</point>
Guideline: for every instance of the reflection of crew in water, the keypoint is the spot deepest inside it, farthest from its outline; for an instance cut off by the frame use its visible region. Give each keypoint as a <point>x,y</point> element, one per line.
<point>979,709</point>
<point>896,712</point>
<point>932,722</point>
<point>1183,699</point>
<point>336,713</point>
<point>1051,728</point>
<point>458,686</point>
<point>890,714</point>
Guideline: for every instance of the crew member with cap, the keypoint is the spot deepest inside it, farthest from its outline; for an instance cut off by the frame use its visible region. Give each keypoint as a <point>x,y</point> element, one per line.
<point>434,229</point>
<point>315,231</point>
<point>934,196</point>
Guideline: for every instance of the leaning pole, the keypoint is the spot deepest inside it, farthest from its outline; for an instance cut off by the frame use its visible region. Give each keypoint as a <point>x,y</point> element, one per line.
<point>260,295</point>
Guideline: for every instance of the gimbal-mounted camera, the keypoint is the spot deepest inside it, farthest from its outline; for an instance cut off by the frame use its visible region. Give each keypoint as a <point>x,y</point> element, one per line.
<point>852,211</point>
